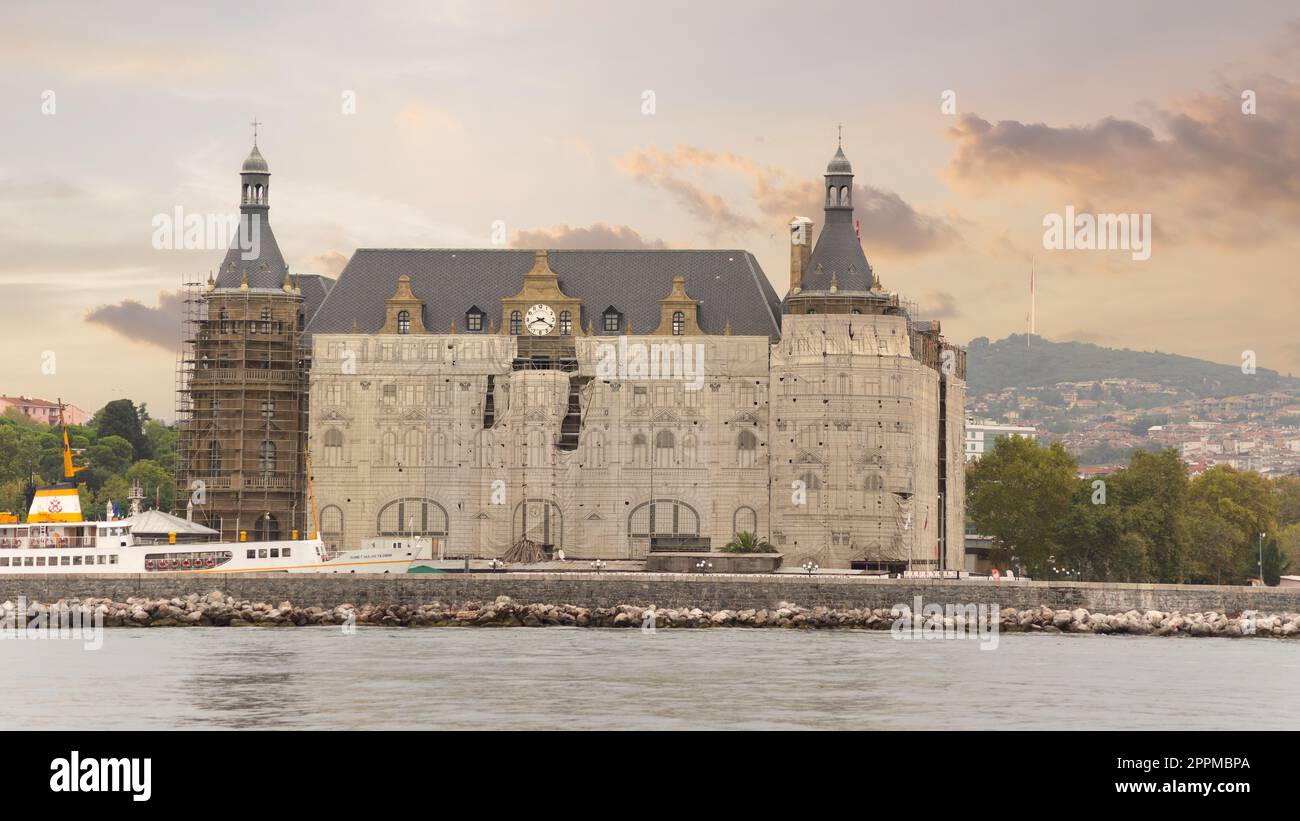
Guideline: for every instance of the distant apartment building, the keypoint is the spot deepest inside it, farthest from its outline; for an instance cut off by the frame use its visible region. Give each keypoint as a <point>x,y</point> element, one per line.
<point>43,410</point>
<point>982,436</point>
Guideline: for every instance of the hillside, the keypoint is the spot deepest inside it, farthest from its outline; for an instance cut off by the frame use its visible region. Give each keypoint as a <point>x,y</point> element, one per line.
<point>1008,363</point>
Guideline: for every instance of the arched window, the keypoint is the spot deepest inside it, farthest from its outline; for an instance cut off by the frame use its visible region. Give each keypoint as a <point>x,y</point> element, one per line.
<point>566,323</point>
<point>595,449</point>
<point>388,448</point>
<point>419,517</point>
<point>830,195</point>
<point>223,320</point>
<point>812,484</point>
<point>842,384</point>
<point>268,409</point>
<point>267,528</point>
<point>439,449</point>
<point>844,196</point>
<point>745,520</point>
<point>516,323</point>
<point>413,448</point>
<point>486,448</point>
<point>746,449</point>
<point>536,449</point>
<point>665,443</point>
<point>266,457</point>
<point>333,447</point>
<point>214,457</point>
<point>873,483</point>
<point>690,451</point>
<point>679,323</point>
<point>663,517</point>
<point>403,322</point>
<point>266,320</point>
<point>331,527</point>
<point>640,452</point>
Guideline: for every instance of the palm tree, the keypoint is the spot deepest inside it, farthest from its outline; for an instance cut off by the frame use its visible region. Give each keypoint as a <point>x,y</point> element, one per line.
<point>746,542</point>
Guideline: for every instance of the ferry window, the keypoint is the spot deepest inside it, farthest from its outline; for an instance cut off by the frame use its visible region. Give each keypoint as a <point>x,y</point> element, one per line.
<point>112,559</point>
<point>4,561</point>
<point>27,561</point>
<point>103,531</point>
<point>285,553</point>
<point>261,554</point>
<point>275,553</point>
<point>99,559</point>
<point>252,554</point>
<point>68,560</point>
<point>40,561</point>
<point>75,560</point>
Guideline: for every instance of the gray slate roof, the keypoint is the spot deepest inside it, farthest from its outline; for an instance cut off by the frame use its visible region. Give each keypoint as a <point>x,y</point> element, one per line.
<point>730,286</point>
<point>838,251</point>
<point>315,287</point>
<point>266,270</point>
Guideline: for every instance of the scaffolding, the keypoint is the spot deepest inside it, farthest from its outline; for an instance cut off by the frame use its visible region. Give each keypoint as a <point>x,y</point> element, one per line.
<point>242,377</point>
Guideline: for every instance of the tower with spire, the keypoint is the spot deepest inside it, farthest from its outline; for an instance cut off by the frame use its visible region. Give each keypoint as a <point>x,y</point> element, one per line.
<point>243,431</point>
<point>867,410</point>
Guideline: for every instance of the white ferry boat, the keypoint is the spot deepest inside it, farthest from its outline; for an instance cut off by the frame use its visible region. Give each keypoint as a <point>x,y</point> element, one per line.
<point>56,539</point>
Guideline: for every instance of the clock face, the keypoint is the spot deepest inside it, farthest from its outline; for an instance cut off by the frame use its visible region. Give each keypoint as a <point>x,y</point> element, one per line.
<point>540,319</point>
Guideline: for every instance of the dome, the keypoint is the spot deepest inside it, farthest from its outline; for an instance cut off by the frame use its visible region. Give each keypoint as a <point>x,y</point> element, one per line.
<point>255,164</point>
<point>839,164</point>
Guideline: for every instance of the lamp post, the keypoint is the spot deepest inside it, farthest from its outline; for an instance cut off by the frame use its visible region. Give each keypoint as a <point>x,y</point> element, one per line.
<point>1262,534</point>
<point>810,567</point>
<point>496,564</point>
<point>704,565</point>
<point>598,565</point>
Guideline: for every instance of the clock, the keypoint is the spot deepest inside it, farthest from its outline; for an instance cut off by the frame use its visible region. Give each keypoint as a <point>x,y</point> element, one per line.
<point>540,319</point>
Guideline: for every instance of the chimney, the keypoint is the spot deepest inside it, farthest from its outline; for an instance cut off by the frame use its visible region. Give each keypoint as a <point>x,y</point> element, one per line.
<point>800,250</point>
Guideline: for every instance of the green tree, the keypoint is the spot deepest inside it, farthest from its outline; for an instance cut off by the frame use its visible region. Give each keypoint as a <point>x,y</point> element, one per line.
<point>1287,491</point>
<point>1237,506</point>
<point>746,542</point>
<point>1275,564</point>
<point>1152,493</point>
<point>1017,494</point>
<point>120,418</point>
<point>110,454</point>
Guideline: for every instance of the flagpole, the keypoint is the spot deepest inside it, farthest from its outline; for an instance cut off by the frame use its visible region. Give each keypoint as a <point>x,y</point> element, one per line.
<point>1033,303</point>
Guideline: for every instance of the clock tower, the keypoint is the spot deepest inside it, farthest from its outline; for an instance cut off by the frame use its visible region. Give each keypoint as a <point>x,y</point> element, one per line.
<point>541,309</point>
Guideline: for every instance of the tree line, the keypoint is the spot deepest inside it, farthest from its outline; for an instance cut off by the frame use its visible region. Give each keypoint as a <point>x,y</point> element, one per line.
<point>1147,522</point>
<point>120,443</point>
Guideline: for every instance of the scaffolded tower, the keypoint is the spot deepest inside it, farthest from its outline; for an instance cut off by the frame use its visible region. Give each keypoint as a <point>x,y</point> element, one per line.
<point>242,382</point>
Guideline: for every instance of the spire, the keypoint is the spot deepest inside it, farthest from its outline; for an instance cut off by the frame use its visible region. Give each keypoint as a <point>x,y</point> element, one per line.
<point>254,254</point>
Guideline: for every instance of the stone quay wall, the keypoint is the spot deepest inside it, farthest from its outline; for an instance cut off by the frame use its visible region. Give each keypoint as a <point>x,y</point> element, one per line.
<point>665,590</point>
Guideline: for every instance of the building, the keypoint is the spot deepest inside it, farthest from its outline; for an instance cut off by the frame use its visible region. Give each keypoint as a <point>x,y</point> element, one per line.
<point>609,403</point>
<point>982,436</point>
<point>242,381</point>
<point>43,410</point>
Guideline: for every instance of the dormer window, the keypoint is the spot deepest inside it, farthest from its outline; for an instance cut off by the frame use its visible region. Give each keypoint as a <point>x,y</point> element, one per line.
<point>403,322</point>
<point>613,320</point>
<point>516,323</point>
<point>566,323</point>
<point>474,320</point>
<point>679,323</point>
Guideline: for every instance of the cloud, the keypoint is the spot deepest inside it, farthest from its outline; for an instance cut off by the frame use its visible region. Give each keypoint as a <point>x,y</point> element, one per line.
<point>330,263</point>
<point>160,326</point>
<point>938,305</point>
<point>889,224</point>
<point>1205,168</point>
<point>597,236</point>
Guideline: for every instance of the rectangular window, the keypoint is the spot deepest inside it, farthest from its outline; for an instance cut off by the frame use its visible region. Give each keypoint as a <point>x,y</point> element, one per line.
<point>285,553</point>
<point>4,561</point>
<point>252,554</point>
<point>474,322</point>
<point>112,559</point>
<point>75,560</point>
<point>640,397</point>
<point>99,559</point>
<point>441,395</point>
<point>611,322</point>
<point>275,553</point>
<point>386,352</point>
<point>390,393</point>
<point>261,554</point>
<point>40,561</point>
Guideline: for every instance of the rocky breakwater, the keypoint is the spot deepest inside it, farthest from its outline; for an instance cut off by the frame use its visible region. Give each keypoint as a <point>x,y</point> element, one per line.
<point>219,610</point>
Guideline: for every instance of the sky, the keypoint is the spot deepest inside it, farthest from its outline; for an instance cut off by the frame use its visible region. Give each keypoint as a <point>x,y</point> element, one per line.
<point>674,125</point>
